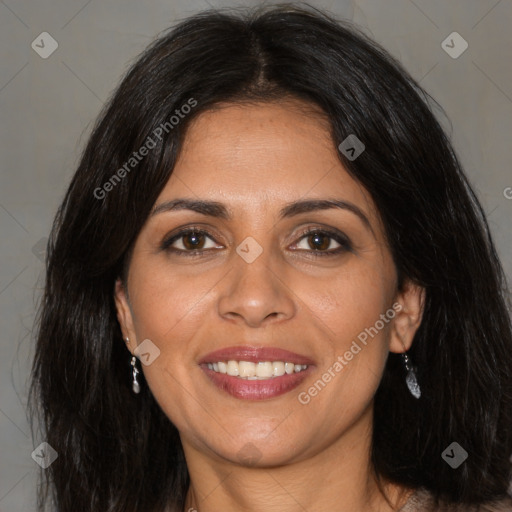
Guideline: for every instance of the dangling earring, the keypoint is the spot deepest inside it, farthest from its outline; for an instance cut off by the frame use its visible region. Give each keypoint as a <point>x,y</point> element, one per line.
<point>135,372</point>
<point>410,379</point>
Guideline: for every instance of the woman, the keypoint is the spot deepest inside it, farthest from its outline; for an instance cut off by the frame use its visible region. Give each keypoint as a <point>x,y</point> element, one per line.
<point>271,287</point>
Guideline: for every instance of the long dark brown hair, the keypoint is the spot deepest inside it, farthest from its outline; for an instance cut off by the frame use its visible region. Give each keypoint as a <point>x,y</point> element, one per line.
<point>118,451</point>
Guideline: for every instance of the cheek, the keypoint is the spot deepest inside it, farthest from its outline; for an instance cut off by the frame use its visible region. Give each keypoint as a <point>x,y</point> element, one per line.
<point>347,303</point>
<point>167,305</point>
<point>169,308</point>
<point>348,314</point>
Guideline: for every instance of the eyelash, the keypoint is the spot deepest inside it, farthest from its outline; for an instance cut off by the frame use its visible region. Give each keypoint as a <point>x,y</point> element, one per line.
<point>345,245</point>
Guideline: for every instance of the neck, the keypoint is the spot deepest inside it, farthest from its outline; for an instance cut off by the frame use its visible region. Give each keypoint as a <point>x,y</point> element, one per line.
<point>338,478</point>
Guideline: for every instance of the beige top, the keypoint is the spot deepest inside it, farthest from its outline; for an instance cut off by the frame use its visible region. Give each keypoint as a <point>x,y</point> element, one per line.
<point>423,501</point>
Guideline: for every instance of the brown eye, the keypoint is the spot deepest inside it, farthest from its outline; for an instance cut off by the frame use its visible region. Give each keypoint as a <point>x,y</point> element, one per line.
<point>319,241</point>
<point>189,242</point>
<point>193,240</point>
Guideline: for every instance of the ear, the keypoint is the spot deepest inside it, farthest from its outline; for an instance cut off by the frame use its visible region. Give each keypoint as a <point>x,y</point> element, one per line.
<point>410,302</point>
<point>124,314</point>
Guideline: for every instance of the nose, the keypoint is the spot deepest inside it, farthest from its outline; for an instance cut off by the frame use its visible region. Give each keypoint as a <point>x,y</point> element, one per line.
<point>256,293</point>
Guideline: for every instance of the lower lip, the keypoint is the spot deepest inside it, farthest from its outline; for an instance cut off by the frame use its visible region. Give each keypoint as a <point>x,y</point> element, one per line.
<point>256,389</point>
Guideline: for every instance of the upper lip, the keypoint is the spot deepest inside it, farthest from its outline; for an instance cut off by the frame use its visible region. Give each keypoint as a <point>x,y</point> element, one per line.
<point>254,354</point>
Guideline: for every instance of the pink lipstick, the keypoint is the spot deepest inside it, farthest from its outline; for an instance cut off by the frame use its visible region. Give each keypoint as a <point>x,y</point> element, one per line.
<point>252,373</point>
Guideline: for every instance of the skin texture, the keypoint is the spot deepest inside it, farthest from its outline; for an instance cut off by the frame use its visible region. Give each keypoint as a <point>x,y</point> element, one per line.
<point>255,158</point>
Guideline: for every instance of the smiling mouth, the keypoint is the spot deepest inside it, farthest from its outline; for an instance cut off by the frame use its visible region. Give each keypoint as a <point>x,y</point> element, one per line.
<point>252,373</point>
<point>255,387</point>
<point>260,370</point>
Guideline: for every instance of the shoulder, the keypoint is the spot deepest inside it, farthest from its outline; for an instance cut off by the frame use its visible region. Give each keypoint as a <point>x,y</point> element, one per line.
<point>424,501</point>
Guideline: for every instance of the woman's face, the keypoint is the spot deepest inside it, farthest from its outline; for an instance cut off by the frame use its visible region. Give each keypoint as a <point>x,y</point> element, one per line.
<point>258,280</point>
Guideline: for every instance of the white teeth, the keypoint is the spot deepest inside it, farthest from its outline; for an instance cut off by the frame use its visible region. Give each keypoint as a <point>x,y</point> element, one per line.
<point>288,368</point>
<point>256,371</point>
<point>278,368</point>
<point>265,369</point>
<point>245,369</point>
<point>232,368</point>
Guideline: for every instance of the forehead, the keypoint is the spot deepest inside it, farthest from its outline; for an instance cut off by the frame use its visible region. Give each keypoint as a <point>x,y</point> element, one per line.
<point>257,154</point>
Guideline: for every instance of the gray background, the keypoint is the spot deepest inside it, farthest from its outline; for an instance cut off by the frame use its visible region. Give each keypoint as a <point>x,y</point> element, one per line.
<point>47,107</point>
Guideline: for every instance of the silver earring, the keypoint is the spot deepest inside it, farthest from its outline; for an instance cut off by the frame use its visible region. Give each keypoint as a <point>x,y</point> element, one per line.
<point>135,372</point>
<point>410,379</point>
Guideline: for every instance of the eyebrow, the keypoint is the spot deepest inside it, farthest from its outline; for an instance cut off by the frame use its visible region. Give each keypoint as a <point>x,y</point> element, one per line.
<point>218,210</point>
